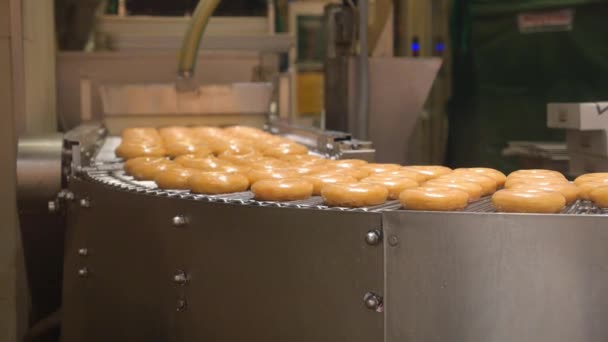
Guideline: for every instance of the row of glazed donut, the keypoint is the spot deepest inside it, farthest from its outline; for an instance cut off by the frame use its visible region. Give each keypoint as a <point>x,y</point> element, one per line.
<point>222,155</point>
<point>357,183</point>
<point>177,141</point>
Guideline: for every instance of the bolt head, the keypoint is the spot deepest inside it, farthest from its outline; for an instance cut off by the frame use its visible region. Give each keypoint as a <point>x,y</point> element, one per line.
<point>372,303</point>
<point>69,195</point>
<point>373,237</point>
<point>85,203</point>
<point>53,207</point>
<point>181,278</point>
<point>393,241</point>
<point>181,304</point>
<point>179,221</point>
<point>83,272</point>
<point>83,252</point>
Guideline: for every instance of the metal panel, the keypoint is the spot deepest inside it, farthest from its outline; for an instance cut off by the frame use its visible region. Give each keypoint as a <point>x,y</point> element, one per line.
<point>120,256</point>
<point>393,109</point>
<point>259,273</point>
<point>495,277</point>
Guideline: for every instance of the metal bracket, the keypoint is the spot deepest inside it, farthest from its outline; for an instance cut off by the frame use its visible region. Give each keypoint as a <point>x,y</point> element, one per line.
<point>336,145</point>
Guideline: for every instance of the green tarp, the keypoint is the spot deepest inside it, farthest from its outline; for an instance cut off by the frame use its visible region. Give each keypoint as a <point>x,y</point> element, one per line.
<point>503,78</point>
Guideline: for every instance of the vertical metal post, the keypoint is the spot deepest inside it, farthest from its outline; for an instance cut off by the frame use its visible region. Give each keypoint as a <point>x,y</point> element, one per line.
<point>363,72</point>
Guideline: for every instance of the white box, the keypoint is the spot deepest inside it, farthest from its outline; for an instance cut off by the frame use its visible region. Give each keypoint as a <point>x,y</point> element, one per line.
<point>589,142</point>
<point>581,163</point>
<point>579,116</point>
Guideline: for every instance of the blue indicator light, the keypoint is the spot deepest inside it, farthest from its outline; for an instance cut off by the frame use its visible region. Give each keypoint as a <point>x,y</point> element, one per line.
<point>415,47</point>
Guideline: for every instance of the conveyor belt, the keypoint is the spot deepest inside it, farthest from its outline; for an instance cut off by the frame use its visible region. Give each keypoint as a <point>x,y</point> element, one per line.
<point>109,170</point>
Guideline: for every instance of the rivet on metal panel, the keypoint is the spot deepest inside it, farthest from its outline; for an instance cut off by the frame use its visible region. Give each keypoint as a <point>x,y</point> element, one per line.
<point>85,203</point>
<point>83,252</point>
<point>373,302</point>
<point>179,221</point>
<point>83,272</point>
<point>393,240</point>
<point>181,304</point>
<point>373,237</point>
<point>181,278</point>
<point>65,194</point>
<point>53,207</point>
<point>69,196</point>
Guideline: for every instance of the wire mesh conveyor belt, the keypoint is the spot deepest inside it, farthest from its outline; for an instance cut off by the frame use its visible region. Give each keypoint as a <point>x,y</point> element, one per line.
<point>109,171</point>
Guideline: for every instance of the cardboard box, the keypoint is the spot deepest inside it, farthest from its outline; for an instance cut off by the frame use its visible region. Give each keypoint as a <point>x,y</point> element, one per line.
<point>578,116</point>
<point>581,163</point>
<point>588,142</point>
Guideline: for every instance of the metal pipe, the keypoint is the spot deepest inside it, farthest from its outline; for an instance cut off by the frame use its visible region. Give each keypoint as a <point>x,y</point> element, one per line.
<point>363,74</point>
<point>192,40</point>
<point>39,168</point>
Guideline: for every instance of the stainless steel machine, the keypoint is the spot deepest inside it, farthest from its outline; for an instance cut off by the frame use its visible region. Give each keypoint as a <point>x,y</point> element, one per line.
<point>143,264</point>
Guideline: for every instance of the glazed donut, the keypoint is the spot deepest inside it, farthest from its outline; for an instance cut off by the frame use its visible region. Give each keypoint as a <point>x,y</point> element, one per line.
<point>307,169</point>
<point>282,190</point>
<point>205,132</point>
<point>216,145</point>
<point>599,196</point>
<point>240,155</point>
<point>417,176</point>
<point>244,131</point>
<point>174,178</point>
<point>473,189</point>
<point>256,175</point>
<point>430,172</point>
<point>216,183</point>
<point>127,150</point>
<point>303,159</point>
<point>285,149</point>
<point>534,173</point>
<point>131,164</point>
<point>204,163</point>
<point>356,173</point>
<point>590,177</point>
<point>220,146</point>
<point>434,199</point>
<point>180,148</point>
<point>587,187</point>
<point>570,191</point>
<point>354,195</point>
<point>267,163</point>
<point>498,176</point>
<point>519,180</point>
<point>140,133</point>
<point>148,170</point>
<point>394,185</point>
<point>373,168</point>
<point>529,200</point>
<point>266,142</point>
<point>347,163</point>
<point>175,132</point>
<point>242,169</point>
<point>488,184</point>
<point>318,181</point>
